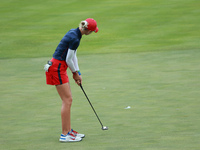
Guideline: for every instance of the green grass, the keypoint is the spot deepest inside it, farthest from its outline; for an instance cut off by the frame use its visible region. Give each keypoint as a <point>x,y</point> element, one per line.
<point>161,88</point>
<point>145,55</point>
<point>33,29</point>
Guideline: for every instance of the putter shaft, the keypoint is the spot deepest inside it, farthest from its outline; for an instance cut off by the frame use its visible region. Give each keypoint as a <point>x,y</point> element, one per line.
<point>91,105</point>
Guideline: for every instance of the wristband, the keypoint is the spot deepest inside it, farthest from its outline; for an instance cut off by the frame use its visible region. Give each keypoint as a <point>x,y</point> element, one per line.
<point>79,73</point>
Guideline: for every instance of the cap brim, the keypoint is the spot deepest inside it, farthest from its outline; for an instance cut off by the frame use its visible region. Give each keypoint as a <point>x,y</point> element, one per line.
<point>96,30</point>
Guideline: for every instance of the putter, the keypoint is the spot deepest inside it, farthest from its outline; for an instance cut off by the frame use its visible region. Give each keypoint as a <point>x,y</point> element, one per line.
<point>102,127</point>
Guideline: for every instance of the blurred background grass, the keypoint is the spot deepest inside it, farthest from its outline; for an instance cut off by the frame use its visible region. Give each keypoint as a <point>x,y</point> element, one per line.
<point>34,28</point>
<point>145,55</point>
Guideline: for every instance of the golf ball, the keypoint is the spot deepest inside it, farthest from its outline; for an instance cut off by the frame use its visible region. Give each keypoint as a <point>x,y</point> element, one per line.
<point>128,107</point>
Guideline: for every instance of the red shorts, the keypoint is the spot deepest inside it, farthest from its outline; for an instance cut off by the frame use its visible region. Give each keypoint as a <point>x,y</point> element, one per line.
<point>57,73</point>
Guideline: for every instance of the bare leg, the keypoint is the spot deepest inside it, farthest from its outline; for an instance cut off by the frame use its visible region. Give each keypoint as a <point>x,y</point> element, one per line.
<point>65,94</point>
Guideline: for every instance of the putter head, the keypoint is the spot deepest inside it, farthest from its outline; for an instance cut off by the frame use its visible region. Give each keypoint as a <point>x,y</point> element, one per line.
<point>104,128</point>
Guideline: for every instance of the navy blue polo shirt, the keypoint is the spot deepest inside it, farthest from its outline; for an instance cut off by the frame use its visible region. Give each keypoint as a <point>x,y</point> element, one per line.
<point>71,40</point>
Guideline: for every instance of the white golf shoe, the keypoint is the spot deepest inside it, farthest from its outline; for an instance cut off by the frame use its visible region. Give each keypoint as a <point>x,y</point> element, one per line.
<point>76,134</point>
<point>69,138</point>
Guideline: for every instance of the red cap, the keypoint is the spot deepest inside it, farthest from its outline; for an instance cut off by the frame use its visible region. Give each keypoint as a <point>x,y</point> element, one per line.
<point>92,25</point>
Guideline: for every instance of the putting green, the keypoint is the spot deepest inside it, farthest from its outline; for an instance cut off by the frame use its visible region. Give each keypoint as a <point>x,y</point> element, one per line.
<point>162,89</point>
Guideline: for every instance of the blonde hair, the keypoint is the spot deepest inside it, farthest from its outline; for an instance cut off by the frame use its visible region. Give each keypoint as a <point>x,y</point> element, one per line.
<point>83,25</point>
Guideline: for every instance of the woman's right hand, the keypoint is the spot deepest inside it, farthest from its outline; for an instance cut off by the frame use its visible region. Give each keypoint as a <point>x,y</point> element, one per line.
<point>77,78</point>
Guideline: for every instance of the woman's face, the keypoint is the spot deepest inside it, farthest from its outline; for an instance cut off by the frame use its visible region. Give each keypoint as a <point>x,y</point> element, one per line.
<point>88,32</point>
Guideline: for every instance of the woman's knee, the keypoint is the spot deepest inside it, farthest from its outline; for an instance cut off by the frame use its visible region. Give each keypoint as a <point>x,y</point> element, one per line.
<point>67,101</point>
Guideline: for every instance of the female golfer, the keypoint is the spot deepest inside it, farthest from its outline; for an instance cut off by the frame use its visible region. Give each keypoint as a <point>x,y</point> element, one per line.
<point>56,74</point>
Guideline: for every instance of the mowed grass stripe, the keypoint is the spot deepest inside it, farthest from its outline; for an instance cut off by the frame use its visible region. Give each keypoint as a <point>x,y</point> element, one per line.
<point>33,29</point>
